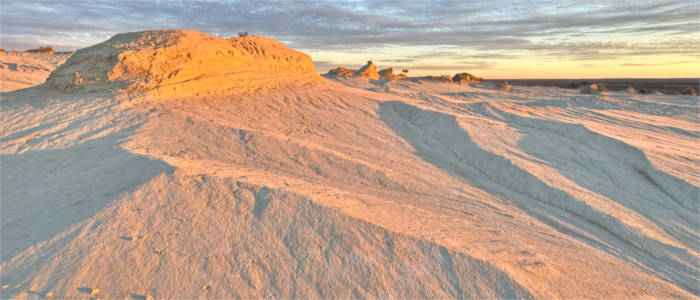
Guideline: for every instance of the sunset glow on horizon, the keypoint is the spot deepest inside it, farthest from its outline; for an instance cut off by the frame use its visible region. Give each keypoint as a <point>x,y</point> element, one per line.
<point>501,39</point>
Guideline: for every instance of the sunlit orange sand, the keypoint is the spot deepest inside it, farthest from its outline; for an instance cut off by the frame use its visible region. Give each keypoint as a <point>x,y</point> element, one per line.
<point>175,164</point>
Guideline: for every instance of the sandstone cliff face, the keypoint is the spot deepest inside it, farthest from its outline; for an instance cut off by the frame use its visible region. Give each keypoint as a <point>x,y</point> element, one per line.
<point>181,63</point>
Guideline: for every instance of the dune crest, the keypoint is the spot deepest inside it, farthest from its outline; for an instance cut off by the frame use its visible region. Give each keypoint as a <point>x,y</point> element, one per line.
<point>181,63</point>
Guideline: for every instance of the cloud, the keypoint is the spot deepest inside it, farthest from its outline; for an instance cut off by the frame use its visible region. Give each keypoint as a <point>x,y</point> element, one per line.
<point>553,30</point>
<point>659,64</point>
<point>465,66</point>
<point>322,66</point>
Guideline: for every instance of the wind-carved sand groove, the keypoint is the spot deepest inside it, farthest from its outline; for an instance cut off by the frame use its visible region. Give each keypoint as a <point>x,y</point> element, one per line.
<point>286,247</point>
<point>447,145</point>
<point>243,174</point>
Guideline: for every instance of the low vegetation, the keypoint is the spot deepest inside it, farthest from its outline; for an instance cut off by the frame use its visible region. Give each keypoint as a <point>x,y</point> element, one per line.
<point>46,49</point>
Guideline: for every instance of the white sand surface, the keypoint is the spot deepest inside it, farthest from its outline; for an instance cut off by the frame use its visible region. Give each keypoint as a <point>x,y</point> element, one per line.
<point>19,70</point>
<point>295,186</point>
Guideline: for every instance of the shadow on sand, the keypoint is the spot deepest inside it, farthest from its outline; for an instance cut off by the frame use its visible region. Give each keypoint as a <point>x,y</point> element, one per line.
<point>46,192</point>
<point>439,140</point>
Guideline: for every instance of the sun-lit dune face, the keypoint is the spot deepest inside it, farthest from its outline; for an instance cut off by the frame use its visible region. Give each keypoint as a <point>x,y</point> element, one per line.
<point>179,63</point>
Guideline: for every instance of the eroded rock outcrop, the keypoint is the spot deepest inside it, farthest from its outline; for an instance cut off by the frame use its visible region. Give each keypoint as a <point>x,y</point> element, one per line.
<point>505,86</point>
<point>388,74</point>
<point>181,63</point>
<point>369,70</point>
<point>594,89</point>
<point>690,92</point>
<point>443,78</point>
<point>465,78</point>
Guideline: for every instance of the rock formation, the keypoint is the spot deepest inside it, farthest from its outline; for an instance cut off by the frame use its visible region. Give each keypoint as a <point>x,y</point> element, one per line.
<point>369,70</point>
<point>341,71</point>
<point>40,50</point>
<point>645,91</point>
<point>505,86</point>
<point>443,78</point>
<point>181,63</point>
<point>388,74</point>
<point>465,78</point>
<point>690,91</point>
<point>594,89</point>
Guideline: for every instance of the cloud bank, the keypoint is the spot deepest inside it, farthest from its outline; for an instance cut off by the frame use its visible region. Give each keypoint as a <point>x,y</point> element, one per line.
<point>473,33</point>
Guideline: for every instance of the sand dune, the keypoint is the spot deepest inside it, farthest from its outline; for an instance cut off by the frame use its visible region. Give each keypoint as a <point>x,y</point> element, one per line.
<point>132,182</point>
<point>20,70</point>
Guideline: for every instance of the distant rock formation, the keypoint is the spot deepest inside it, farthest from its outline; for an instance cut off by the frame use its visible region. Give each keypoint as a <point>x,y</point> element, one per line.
<point>631,89</point>
<point>443,78</point>
<point>644,91</point>
<point>341,71</point>
<point>181,63</point>
<point>388,74</point>
<point>369,70</point>
<point>505,86</point>
<point>40,50</point>
<point>690,91</point>
<point>465,78</point>
<point>594,89</point>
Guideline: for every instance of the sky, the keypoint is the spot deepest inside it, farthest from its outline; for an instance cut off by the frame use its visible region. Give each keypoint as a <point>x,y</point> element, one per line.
<point>491,39</point>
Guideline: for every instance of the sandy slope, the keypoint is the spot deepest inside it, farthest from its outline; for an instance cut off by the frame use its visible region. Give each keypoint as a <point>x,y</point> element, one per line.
<point>20,70</point>
<point>349,188</point>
